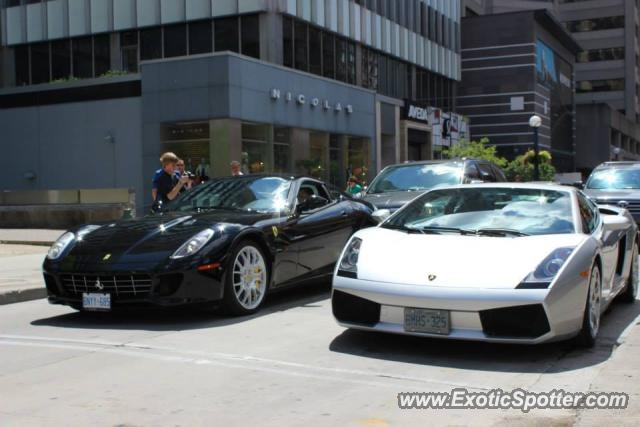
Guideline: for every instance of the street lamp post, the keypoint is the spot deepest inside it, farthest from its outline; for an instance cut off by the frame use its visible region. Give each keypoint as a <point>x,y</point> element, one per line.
<point>534,122</point>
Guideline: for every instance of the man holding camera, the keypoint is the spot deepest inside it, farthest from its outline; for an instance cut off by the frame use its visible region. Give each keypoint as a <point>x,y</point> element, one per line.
<point>167,185</point>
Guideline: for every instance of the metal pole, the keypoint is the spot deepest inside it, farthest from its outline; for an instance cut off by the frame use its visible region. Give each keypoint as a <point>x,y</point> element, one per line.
<point>536,161</point>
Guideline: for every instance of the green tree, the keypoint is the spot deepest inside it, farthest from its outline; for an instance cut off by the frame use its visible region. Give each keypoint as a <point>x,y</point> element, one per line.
<point>521,169</point>
<point>476,149</point>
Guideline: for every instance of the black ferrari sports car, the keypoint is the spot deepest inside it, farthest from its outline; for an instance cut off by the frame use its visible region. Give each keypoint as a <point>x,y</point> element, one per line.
<point>229,241</point>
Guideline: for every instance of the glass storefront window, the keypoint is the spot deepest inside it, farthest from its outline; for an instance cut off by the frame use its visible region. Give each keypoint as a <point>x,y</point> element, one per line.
<point>316,166</point>
<point>255,148</point>
<point>190,142</point>
<point>287,31</point>
<point>337,174</point>
<point>281,150</point>
<point>358,159</point>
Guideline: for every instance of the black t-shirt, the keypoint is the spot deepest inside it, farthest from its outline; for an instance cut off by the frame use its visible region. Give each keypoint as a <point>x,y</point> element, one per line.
<point>166,184</point>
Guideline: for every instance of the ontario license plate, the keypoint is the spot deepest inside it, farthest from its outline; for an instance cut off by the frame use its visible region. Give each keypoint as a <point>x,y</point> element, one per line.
<point>427,321</point>
<point>96,301</point>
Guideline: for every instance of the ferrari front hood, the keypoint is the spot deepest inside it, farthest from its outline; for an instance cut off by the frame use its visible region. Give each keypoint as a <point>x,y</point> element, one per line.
<point>448,260</point>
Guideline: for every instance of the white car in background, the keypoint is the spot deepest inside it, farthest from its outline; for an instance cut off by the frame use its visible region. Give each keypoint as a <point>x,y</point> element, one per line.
<point>517,263</point>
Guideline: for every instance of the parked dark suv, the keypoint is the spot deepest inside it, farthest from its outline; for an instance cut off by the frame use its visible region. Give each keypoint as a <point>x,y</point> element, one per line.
<point>618,184</point>
<point>398,184</point>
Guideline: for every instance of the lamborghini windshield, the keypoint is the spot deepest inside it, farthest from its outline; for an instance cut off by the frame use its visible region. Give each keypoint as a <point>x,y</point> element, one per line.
<point>259,194</point>
<point>488,210</point>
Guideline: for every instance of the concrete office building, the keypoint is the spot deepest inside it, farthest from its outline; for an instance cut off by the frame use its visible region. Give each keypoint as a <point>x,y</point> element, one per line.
<point>607,72</point>
<point>94,90</point>
<point>515,65</point>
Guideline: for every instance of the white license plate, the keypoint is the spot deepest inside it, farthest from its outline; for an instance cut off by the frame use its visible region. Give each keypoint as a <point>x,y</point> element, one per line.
<point>96,301</point>
<point>427,321</point>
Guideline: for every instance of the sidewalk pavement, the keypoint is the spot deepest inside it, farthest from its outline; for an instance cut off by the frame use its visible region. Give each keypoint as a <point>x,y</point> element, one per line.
<point>21,254</point>
<point>41,237</point>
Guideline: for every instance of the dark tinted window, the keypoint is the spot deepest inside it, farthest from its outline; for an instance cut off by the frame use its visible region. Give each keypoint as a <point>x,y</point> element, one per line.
<point>486,172</point>
<point>251,35</point>
<point>82,57</point>
<point>226,34</point>
<point>200,37</point>
<point>175,40</point>
<point>300,46</point>
<point>40,63</point>
<point>151,43</point>
<point>287,33</point>
<point>315,46</point>
<point>328,55</point>
<point>60,59</point>
<point>588,214</point>
<point>22,65</point>
<point>102,54</point>
<point>471,171</point>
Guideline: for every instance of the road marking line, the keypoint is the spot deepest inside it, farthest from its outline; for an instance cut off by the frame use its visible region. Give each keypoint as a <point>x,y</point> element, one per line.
<point>221,359</point>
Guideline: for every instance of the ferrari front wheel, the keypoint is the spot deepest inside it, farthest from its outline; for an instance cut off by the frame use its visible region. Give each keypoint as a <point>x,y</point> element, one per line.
<point>630,292</point>
<point>592,311</point>
<point>246,279</point>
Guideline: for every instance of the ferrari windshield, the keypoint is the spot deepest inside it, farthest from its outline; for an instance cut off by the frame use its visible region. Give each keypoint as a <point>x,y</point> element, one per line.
<point>499,211</point>
<point>416,177</point>
<point>614,179</point>
<point>260,194</point>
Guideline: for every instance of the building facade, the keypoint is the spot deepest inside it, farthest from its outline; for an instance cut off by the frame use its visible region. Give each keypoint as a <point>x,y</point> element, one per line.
<point>321,87</point>
<point>607,71</point>
<point>515,65</point>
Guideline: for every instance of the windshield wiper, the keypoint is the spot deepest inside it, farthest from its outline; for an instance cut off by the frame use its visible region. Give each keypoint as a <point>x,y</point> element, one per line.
<point>439,230</point>
<point>401,228</point>
<point>500,232</point>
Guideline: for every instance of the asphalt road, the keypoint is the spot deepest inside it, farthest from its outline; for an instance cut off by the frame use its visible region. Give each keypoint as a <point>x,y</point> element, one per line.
<point>289,365</point>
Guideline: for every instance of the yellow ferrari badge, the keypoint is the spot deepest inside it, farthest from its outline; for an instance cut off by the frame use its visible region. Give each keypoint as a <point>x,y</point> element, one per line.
<point>275,231</point>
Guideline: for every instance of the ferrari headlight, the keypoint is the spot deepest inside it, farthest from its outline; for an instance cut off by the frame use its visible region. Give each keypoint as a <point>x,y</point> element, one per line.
<point>194,244</point>
<point>349,261</point>
<point>60,245</point>
<point>84,231</point>
<point>547,270</point>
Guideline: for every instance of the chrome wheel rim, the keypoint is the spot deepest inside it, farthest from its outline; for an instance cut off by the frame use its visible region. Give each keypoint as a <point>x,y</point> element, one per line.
<point>594,302</point>
<point>249,277</point>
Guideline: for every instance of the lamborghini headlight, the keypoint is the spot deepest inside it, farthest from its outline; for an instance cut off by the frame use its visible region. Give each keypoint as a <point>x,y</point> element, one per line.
<point>349,261</point>
<point>547,270</point>
<point>194,244</point>
<point>60,245</point>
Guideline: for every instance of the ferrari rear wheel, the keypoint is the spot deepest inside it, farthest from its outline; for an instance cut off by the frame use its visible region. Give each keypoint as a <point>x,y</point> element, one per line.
<point>630,293</point>
<point>246,279</point>
<point>592,311</point>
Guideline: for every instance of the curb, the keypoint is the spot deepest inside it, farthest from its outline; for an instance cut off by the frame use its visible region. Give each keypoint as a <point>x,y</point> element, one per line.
<point>26,242</point>
<point>23,295</point>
